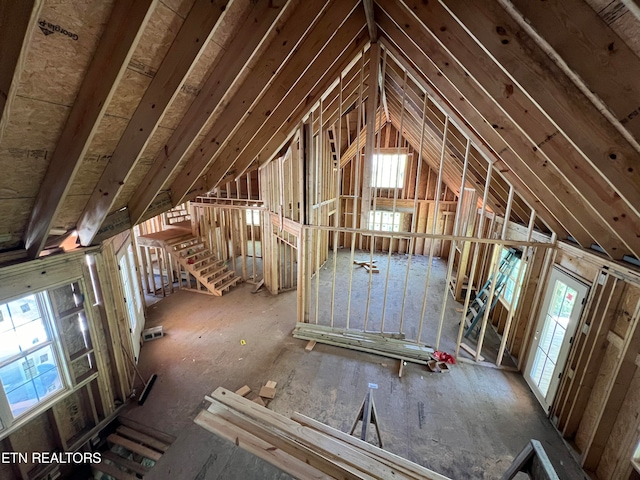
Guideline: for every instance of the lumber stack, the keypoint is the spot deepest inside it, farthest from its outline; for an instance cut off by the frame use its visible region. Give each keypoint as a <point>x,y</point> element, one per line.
<point>302,447</point>
<point>375,343</point>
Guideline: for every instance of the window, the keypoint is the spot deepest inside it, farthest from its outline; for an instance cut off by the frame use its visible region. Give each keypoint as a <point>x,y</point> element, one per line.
<point>513,277</point>
<point>253,217</point>
<point>384,221</point>
<point>388,170</point>
<point>45,349</point>
<point>29,365</point>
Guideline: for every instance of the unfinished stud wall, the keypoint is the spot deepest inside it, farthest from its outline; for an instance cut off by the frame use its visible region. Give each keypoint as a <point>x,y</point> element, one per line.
<point>597,404</point>
<point>416,198</point>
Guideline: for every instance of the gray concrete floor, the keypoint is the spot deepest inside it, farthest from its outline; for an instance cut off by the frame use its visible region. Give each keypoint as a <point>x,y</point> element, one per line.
<point>467,424</point>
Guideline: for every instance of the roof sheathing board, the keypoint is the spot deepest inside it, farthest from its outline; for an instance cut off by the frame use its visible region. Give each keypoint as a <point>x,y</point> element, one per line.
<point>57,55</point>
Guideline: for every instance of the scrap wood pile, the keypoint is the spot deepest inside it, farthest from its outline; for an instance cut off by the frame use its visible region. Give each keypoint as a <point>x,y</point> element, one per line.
<point>368,265</point>
<point>301,446</point>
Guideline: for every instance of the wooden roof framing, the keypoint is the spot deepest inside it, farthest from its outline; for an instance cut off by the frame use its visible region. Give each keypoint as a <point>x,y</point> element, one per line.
<point>104,122</point>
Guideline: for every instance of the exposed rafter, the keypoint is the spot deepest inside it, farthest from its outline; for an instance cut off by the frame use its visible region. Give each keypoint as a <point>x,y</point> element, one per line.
<point>371,22</point>
<point>17,20</point>
<point>589,52</point>
<point>475,106</point>
<point>280,48</point>
<point>482,134</point>
<point>532,132</point>
<point>603,151</point>
<point>298,80</point>
<point>119,40</point>
<point>185,50</point>
<point>297,114</point>
<point>248,37</point>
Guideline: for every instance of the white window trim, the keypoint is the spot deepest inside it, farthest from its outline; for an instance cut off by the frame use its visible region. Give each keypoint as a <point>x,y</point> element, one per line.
<point>10,423</point>
<point>6,415</point>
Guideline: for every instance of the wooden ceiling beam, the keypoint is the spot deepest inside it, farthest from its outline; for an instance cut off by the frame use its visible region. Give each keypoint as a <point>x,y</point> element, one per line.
<point>240,47</point>
<point>280,137</point>
<point>517,119</point>
<point>350,87</point>
<point>469,112</point>
<point>185,50</point>
<point>293,83</point>
<point>394,69</point>
<point>17,21</point>
<point>371,21</point>
<point>601,158</point>
<point>282,46</point>
<point>120,38</point>
<point>589,51</point>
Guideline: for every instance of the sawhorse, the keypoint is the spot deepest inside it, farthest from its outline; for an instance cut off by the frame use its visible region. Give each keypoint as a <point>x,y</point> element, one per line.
<point>367,415</point>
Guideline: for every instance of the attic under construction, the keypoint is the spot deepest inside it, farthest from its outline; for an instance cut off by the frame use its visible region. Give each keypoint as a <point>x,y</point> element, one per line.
<point>308,203</point>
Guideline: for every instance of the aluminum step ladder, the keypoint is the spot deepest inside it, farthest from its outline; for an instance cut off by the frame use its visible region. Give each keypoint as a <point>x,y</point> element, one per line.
<point>479,303</point>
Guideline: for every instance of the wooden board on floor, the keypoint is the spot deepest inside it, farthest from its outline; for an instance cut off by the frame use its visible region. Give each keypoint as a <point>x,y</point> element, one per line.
<point>243,391</point>
<point>267,392</point>
<point>470,351</point>
<point>142,438</point>
<point>134,447</point>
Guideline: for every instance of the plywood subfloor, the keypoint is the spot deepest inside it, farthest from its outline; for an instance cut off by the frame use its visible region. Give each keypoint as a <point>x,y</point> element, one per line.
<point>468,423</point>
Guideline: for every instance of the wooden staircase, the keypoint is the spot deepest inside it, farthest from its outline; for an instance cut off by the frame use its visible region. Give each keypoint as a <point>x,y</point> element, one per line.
<point>199,261</point>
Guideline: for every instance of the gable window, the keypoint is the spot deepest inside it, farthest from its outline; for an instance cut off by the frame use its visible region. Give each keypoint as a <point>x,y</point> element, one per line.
<point>253,217</point>
<point>388,170</point>
<point>29,356</point>
<point>384,221</point>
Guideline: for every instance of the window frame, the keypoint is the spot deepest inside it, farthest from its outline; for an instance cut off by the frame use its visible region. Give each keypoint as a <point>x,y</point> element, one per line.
<point>512,278</point>
<point>395,227</point>
<point>249,218</point>
<point>376,162</point>
<point>69,380</point>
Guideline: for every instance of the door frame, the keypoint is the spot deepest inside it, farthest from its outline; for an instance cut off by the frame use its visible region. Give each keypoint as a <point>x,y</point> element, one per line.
<point>126,252</point>
<point>582,289</point>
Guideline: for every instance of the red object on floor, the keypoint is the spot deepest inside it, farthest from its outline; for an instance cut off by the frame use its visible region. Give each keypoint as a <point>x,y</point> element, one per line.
<point>444,357</point>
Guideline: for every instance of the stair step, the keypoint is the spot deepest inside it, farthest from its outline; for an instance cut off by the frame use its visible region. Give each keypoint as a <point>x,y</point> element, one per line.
<point>214,281</point>
<point>187,237</point>
<point>202,268</point>
<point>187,247</point>
<point>210,275</point>
<point>228,284</point>
<point>200,260</point>
<point>200,251</point>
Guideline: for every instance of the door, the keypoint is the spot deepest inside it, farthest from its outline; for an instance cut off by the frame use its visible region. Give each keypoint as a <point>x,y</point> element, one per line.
<point>132,297</point>
<point>556,327</point>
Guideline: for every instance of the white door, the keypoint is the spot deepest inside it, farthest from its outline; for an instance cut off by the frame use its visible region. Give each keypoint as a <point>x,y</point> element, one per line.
<point>556,327</point>
<point>132,297</point>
